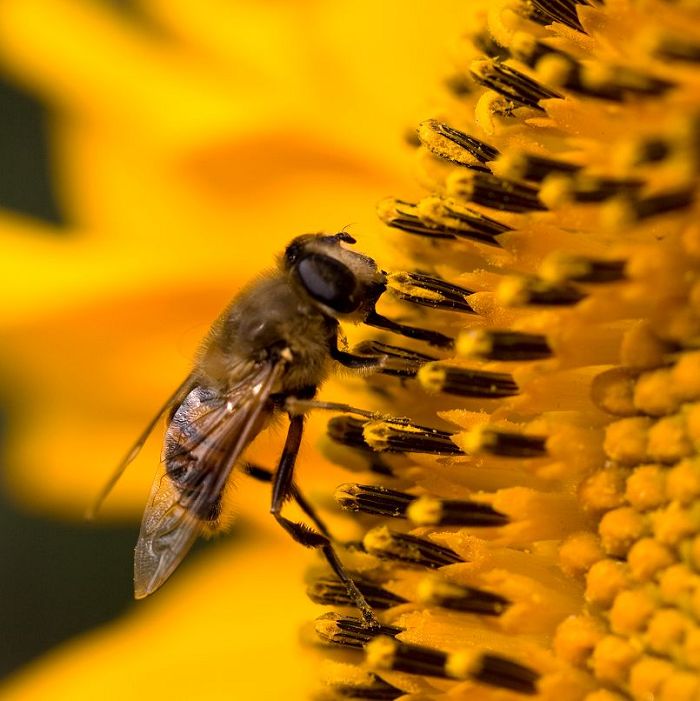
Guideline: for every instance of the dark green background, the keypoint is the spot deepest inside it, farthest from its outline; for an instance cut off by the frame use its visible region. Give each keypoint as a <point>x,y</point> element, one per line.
<point>57,579</point>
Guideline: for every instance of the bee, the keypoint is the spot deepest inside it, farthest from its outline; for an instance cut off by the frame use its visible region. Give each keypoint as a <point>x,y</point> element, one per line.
<point>264,357</point>
<point>274,345</point>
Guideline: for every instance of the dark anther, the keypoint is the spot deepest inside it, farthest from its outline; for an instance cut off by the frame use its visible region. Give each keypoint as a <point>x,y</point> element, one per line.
<point>563,11</point>
<point>526,166</point>
<point>431,511</point>
<point>591,270</point>
<point>411,550</point>
<point>679,48</point>
<point>465,382</point>
<point>613,84</point>
<point>491,344</point>
<point>484,667</point>
<point>504,673</point>
<point>330,591</point>
<point>373,499</point>
<point>429,292</point>
<point>512,84</point>
<point>374,689</point>
<point>348,430</point>
<point>486,44</point>
<point>349,631</point>
<point>404,216</point>
<point>477,222</point>
<point>435,591</point>
<point>423,510</point>
<point>537,292</point>
<point>663,203</point>
<point>454,145</point>
<point>397,436</point>
<point>393,655</point>
<point>493,192</point>
<point>439,218</point>
<point>509,445</point>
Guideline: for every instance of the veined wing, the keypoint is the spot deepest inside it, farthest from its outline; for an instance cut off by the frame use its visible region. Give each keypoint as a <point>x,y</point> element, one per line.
<point>179,394</point>
<point>206,437</point>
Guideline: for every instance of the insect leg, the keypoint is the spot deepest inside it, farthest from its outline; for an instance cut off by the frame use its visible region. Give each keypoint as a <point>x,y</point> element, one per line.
<point>356,362</point>
<point>435,338</point>
<point>295,407</point>
<point>263,475</point>
<point>282,486</point>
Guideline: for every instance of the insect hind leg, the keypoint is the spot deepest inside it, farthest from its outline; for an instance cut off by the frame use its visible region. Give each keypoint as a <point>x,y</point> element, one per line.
<point>282,489</point>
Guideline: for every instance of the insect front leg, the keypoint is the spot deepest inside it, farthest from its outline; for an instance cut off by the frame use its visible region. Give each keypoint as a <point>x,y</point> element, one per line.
<point>282,490</point>
<point>355,362</point>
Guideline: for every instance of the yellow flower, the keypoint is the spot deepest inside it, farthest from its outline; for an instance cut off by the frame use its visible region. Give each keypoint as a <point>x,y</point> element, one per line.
<point>189,142</point>
<point>537,531</point>
<point>544,539</point>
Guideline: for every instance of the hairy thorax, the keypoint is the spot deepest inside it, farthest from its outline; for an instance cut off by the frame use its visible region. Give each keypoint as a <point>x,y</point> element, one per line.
<point>266,319</point>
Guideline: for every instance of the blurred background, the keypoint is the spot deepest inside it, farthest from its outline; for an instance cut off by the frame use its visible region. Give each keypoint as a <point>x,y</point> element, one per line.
<point>155,154</point>
<point>59,577</point>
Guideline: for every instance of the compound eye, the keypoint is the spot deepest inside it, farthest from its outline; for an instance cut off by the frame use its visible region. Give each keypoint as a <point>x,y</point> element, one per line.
<point>328,281</point>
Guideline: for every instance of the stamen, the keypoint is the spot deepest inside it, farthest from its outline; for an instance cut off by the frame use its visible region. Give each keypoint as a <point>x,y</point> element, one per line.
<point>423,511</point>
<point>396,436</point>
<point>476,221</point>
<point>642,151</point>
<point>678,48</point>
<point>493,192</point>
<point>663,203</point>
<point>431,511</point>
<point>329,591</point>
<point>625,211</point>
<point>484,42</point>
<point>398,361</point>
<point>521,291</point>
<point>411,550</point>
<point>494,670</point>
<point>372,499</point>
<point>374,689</point>
<point>491,344</point>
<point>560,268</point>
<point>348,431</point>
<point>516,165</point>
<point>463,382</point>
<point>563,11</point>
<point>348,631</point>
<point>600,80</point>
<point>483,439</point>
<point>512,84</point>
<point>429,292</point>
<point>455,146</point>
<point>403,215</point>
<point>559,189</point>
<point>450,216</point>
<point>435,591</point>
<point>385,653</point>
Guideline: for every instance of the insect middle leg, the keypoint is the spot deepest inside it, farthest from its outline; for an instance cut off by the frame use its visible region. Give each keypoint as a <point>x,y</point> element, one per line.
<point>263,475</point>
<point>282,489</point>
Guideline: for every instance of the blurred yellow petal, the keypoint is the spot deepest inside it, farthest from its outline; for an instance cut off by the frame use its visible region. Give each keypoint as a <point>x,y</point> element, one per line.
<point>227,629</point>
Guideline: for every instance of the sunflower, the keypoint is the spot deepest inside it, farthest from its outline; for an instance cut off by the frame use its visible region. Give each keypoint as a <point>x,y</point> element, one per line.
<point>542,539</point>
<point>530,528</point>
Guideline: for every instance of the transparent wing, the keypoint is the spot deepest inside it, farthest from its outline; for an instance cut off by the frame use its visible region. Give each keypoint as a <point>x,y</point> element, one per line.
<point>135,449</point>
<point>206,437</point>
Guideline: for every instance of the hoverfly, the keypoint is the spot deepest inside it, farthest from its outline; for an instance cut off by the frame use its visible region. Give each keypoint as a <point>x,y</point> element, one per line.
<point>267,353</point>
